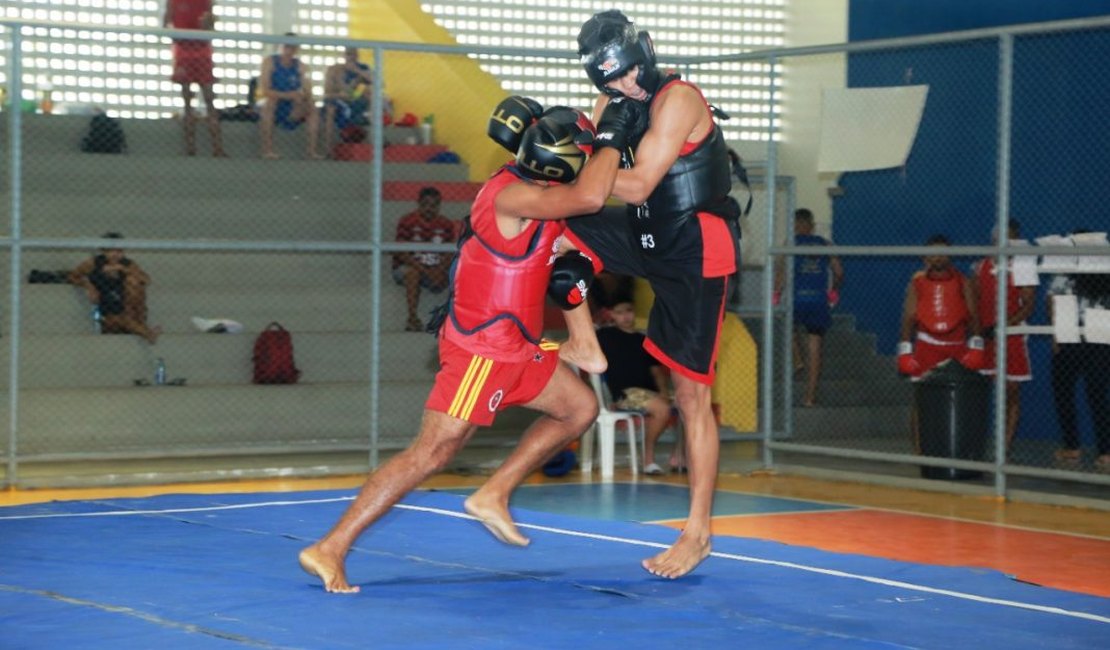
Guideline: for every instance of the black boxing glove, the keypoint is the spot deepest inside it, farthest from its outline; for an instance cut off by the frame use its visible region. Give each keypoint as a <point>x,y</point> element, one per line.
<point>509,120</point>
<point>622,121</point>
<point>571,276</point>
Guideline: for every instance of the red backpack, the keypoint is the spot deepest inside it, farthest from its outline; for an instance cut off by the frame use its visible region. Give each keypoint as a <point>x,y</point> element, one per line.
<point>273,357</point>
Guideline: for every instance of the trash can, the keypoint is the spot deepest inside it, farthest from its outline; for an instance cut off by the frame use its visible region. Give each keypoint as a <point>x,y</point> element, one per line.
<point>953,418</point>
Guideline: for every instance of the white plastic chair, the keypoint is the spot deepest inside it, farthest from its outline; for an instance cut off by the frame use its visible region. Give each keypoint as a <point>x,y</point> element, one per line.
<point>606,432</point>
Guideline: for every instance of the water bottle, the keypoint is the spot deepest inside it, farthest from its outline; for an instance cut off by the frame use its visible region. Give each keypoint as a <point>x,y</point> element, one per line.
<point>98,320</point>
<point>160,372</point>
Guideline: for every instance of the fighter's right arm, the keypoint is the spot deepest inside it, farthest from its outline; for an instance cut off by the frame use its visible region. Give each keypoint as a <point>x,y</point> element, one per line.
<point>586,195</point>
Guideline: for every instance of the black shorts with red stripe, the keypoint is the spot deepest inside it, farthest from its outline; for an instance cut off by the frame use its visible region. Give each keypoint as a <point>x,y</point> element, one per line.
<point>688,273</point>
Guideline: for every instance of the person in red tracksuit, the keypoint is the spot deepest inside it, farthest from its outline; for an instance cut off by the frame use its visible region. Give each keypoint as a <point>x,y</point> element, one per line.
<point>939,320</point>
<point>490,351</point>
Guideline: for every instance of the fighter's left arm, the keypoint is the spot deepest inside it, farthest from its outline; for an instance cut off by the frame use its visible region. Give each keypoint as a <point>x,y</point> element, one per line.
<point>674,117</point>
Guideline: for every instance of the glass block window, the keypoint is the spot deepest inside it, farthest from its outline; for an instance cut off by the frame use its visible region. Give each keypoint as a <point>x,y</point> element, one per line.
<point>688,28</point>
<point>129,75</point>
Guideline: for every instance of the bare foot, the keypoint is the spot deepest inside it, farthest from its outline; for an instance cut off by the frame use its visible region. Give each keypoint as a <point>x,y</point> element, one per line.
<point>495,517</point>
<point>329,569</point>
<point>586,357</point>
<point>219,153</point>
<point>678,560</point>
<point>270,155</point>
<point>312,155</point>
<point>153,333</point>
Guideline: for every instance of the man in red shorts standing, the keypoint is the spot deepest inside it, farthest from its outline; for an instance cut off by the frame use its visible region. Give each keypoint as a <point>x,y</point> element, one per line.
<point>1019,306</point>
<point>490,350</point>
<point>192,64</point>
<point>680,232</point>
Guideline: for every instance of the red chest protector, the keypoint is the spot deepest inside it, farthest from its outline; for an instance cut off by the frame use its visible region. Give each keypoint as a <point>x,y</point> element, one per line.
<point>988,290</point>
<point>941,308</point>
<point>500,284</point>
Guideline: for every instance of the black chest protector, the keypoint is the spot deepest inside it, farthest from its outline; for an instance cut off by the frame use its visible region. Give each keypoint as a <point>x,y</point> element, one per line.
<point>699,181</point>
<point>696,182</point>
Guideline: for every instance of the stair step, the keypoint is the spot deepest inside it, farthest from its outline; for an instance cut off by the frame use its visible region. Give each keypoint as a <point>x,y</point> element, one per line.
<point>98,361</point>
<point>163,137</point>
<point>61,309</point>
<point>123,177</point>
<point>214,218</point>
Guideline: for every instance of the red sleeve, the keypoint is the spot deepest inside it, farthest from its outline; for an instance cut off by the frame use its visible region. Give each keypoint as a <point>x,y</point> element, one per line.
<point>404,228</point>
<point>449,229</point>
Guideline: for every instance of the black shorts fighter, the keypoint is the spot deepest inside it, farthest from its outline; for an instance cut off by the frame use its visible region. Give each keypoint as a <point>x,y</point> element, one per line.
<point>688,268</point>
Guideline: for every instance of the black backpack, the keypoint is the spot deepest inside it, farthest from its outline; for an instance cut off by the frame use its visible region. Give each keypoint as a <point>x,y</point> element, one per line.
<point>105,136</point>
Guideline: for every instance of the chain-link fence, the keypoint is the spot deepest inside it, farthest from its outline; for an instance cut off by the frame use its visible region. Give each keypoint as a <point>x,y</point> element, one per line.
<point>1011,129</point>
<point>1009,142</point>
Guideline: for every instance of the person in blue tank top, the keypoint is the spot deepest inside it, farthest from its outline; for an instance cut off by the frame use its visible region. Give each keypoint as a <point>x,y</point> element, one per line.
<point>817,280</point>
<point>348,86</point>
<point>286,86</point>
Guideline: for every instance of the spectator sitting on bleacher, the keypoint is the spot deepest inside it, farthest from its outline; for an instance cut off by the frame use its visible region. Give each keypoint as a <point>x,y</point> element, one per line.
<point>637,380</point>
<point>347,91</point>
<point>286,86</point>
<point>428,270</point>
<point>117,286</point>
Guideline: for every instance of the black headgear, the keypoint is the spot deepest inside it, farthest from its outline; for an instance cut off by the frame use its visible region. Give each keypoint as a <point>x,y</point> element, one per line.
<point>556,146</point>
<point>609,45</point>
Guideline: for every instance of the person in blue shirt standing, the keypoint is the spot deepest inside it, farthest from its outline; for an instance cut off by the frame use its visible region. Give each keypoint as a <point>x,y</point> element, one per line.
<point>817,280</point>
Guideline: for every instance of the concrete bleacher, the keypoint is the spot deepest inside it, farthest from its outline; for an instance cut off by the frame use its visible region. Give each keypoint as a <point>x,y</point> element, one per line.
<point>78,392</point>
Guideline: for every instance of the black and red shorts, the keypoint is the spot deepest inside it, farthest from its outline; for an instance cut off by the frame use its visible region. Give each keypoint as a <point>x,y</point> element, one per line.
<point>688,274</point>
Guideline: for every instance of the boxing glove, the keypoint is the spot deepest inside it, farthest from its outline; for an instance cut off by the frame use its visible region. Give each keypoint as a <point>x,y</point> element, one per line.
<point>571,276</point>
<point>509,120</point>
<point>907,365</point>
<point>833,296</point>
<point>622,121</point>
<point>976,356</point>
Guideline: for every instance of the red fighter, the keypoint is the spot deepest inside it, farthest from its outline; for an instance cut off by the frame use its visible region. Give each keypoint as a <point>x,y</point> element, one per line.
<point>490,351</point>
<point>940,306</point>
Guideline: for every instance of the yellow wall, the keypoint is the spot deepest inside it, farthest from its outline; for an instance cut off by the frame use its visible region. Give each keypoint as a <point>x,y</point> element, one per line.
<point>453,88</point>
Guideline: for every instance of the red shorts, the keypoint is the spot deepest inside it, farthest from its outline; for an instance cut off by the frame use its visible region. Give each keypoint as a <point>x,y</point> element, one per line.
<point>1017,359</point>
<point>473,388</point>
<point>930,354</point>
<point>192,62</point>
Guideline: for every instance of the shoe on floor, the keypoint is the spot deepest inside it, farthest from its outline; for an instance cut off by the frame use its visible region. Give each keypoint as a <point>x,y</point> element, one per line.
<point>653,470</point>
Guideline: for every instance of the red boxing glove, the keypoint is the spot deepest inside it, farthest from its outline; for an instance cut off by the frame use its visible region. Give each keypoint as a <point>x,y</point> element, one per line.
<point>907,365</point>
<point>834,297</point>
<point>776,298</point>
<point>976,356</point>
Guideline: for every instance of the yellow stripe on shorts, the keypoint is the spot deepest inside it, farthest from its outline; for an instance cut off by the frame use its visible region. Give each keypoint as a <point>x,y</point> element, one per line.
<point>548,346</point>
<point>460,394</point>
<point>477,389</point>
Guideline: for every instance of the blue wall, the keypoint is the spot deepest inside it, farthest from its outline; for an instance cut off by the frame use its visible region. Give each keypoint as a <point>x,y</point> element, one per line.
<point>1060,150</point>
<point>873,19</point>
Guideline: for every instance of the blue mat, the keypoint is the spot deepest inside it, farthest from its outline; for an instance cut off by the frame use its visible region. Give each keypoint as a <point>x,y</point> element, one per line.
<point>646,501</point>
<point>220,571</point>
